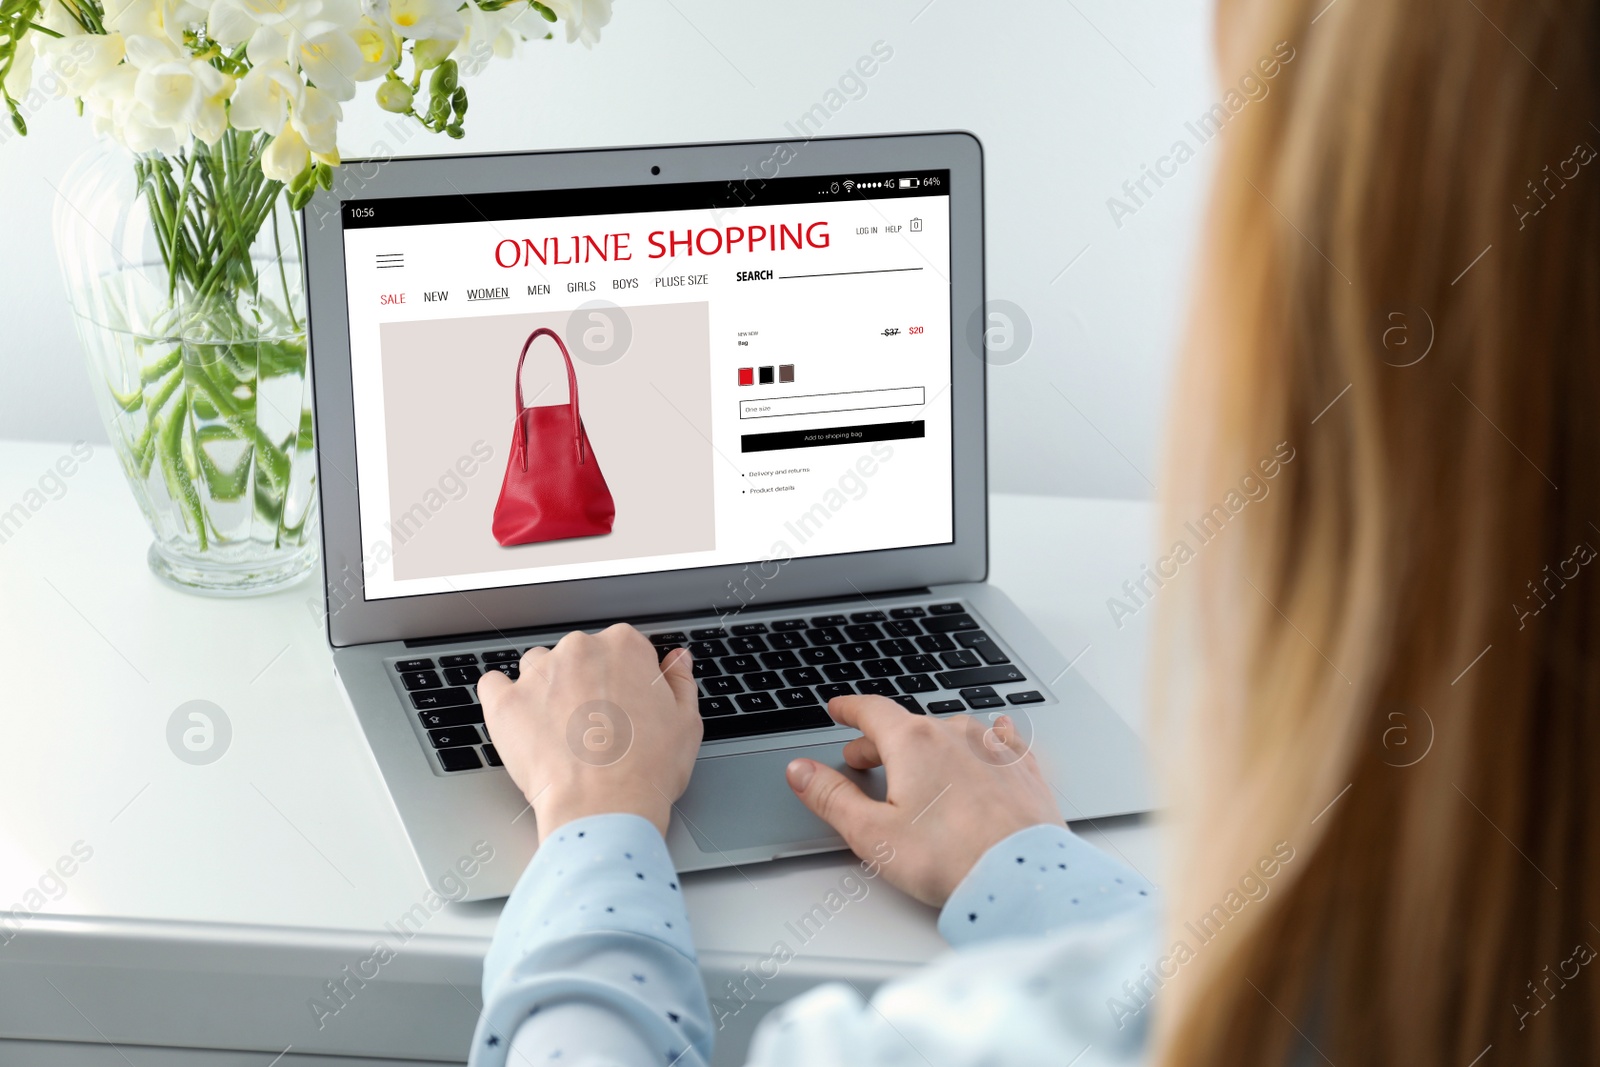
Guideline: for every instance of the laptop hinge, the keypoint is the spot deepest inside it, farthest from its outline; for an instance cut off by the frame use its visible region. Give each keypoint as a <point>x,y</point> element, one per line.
<point>645,621</point>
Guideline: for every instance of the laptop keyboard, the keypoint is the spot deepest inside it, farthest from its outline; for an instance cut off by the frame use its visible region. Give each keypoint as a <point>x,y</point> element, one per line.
<point>759,678</point>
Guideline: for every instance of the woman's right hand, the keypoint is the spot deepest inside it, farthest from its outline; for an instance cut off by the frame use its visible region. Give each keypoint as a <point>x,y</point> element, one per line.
<point>957,786</point>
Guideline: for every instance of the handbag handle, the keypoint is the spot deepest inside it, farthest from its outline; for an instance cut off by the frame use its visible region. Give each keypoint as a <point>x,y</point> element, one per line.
<point>572,392</point>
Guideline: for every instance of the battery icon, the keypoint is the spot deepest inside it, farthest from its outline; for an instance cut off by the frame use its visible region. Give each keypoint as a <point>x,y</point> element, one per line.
<point>909,183</point>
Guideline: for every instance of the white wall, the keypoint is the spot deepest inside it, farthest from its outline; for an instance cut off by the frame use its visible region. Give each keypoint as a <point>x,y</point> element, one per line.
<point>1070,98</point>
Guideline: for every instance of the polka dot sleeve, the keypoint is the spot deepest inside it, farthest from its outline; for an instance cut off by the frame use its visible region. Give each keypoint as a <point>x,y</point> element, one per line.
<point>1036,881</point>
<point>593,962</point>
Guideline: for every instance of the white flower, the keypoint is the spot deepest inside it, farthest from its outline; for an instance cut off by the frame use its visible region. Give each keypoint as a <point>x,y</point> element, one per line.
<point>234,21</point>
<point>488,34</point>
<point>380,49</point>
<point>186,95</point>
<point>426,19</point>
<point>331,59</point>
<point>584,19</point>
<point>316,118</point>
<point>116,112</point>
<point>164,19</point>
<point>264,97</point>
<point>286,156</point>
<point>79,60</point>
<point>19,79</point>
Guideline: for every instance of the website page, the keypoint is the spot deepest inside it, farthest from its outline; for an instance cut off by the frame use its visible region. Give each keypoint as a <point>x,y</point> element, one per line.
<point>558,385</point>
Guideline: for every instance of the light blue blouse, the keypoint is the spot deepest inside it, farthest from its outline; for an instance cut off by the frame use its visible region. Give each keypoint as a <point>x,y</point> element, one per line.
<point>593,964</point>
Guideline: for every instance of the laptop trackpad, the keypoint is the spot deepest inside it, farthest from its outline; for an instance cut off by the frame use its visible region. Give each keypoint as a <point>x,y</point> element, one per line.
<point>744,801</point>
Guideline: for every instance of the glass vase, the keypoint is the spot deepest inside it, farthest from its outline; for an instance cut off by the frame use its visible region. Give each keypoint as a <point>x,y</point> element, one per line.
<point>183,274</point>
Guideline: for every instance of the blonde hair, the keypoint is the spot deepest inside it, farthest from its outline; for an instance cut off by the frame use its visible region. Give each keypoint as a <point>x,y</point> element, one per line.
<point>1419,573</point>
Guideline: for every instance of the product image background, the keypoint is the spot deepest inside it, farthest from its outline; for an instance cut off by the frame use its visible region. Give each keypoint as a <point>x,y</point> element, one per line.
<point>448,383</point>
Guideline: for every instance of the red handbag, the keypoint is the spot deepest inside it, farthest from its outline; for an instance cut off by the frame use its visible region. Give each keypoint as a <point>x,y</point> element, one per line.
<point>553,487</point>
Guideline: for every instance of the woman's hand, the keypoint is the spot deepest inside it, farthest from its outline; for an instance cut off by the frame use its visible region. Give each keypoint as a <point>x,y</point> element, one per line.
<point>594,725</point>
<point>957,786</point>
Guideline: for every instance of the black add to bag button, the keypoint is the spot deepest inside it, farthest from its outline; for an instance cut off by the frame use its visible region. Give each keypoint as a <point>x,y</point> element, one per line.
<point>1031,696</point>
<point>832,435</point>
<point>459,759</point>
<point>949,623</point>
<point>441,698</point>
<point>414,665</point>
<point>979,676</point>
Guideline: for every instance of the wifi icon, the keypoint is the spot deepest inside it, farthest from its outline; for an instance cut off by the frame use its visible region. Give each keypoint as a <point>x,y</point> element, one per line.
<point>849,185</point>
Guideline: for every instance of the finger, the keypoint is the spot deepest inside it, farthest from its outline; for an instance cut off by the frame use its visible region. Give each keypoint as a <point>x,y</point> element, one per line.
<point>492,689</point>
<point>532,662</point>
<point>872,715</point>
<point>862,754</point>
<point>834,799</point>
<point>678,670</point>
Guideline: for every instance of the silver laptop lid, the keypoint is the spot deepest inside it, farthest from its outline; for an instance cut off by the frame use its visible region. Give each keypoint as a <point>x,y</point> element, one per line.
<point>565,386</point>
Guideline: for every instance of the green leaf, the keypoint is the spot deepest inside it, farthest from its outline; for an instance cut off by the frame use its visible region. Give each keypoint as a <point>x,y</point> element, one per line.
<point>544,12</point>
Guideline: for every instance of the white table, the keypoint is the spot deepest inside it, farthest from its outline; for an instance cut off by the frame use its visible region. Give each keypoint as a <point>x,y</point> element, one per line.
<point>218,899</point>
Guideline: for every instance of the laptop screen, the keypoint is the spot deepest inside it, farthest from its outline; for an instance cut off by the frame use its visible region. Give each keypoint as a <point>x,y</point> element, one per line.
<point>582,383</point>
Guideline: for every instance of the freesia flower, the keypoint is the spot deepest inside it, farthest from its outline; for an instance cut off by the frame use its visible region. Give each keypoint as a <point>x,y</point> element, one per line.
<point>264,97</point>
<point>186,95</point>
<point>286,156</point>
<point>584,19</point>
<point>163,19</point>
<point>80,60</point>
<point>426,19</point>
<point>380,49</point>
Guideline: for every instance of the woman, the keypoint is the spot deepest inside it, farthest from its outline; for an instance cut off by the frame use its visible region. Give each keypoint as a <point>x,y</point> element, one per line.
<point>1379,684</point>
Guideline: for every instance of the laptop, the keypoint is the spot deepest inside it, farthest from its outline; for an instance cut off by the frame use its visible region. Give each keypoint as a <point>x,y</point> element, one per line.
<point>732,394</point>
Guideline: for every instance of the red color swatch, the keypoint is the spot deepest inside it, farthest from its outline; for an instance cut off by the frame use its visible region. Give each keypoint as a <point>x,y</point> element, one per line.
<point>747,376</point>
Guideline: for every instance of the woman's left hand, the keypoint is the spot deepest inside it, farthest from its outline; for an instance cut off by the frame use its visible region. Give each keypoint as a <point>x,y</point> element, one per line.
<point>595,726</point>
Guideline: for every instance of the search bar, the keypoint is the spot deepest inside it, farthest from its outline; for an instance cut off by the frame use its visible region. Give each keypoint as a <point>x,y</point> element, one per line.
<point>828,403</point>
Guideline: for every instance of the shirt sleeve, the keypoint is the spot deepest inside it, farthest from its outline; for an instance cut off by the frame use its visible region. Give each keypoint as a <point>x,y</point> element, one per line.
<point>592,962</point>
<point>1036,881</point>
